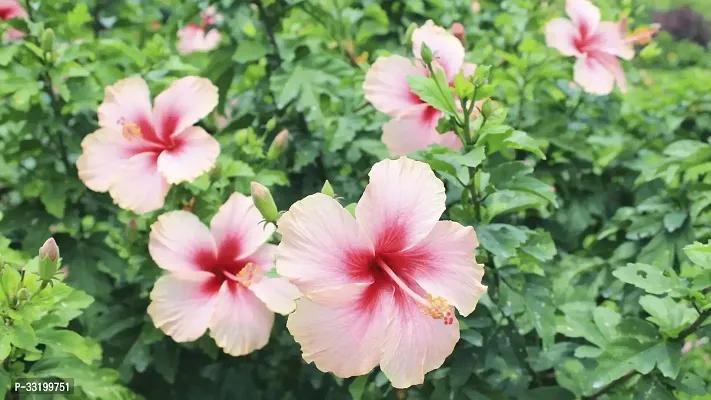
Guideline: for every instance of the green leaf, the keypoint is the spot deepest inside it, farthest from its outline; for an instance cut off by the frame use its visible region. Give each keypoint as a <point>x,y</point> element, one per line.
<point>501,239</point>
<point>473,337</point>
<point>625,354</point>
<point>670,316</point>
<point>435,93</point>
<point>699,254</point>
<point>249,50</point>
<point>540,245</point>
<point>357,387</point>
<point>646,277</point>
<point>70,342</point>
<point>521,140</point>
<point>54,199</point>
<point>674,220</point>
<point>509,201</point>
<point>472,159</point>
<point>649,388</point>
<point>532,185</point>
<point>22,335</point>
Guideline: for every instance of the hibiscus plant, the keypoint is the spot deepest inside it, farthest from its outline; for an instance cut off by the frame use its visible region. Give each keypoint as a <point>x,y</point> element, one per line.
<point>337,199</point>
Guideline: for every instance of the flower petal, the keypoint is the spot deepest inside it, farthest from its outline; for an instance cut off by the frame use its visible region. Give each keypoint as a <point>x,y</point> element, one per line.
<point>401,204</point>
<point>584,14</point>
<point>277,294</point>
<point>443,265</point>
<point>241,323</point>
<point>415,344</point>
<point>319,239</point>
<point>184,103</point>
<point>11,9</point>
<point>592,76</point>
<point>447,50</point>
<point>385,85</point>
<point>610,38</point>
<point>238,223</point>
<point>189,39</point>
<point>340,337</point>
<point>561,35</point>
<point>178,239</point>
<point>410,133</point>
<point>103,153</point>
<point>182,304</point>
<point>195,153</point>
<point>612,65</point>
<point>127,100</point>
<point>138,186</point>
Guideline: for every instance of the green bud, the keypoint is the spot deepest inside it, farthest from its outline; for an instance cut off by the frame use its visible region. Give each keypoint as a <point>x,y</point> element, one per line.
<point>49,259</point>
<point>277,145</point>
<point>264,202</point>
<point>327,189</point>
<point>426,54</point>
<point>48,40</point>
<point>487,108</point>
<point>22,294</point>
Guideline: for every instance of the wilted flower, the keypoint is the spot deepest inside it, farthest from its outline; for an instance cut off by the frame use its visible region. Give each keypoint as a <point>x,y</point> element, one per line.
<point>380,288</point>
<point>595,44</point>
<point>139,151</point>
<point>414,122</point>
<point>12,9</point>
<point>216,277</point>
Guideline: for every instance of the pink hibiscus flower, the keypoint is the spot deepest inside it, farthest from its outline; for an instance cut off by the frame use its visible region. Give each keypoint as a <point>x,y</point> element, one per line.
<point>596,45</point>
<point>12,9</point>
<point>379,286</point>
<point>413,125</point>
<point>216,277</point>
<point>194,38</point>
<point>139,151</point>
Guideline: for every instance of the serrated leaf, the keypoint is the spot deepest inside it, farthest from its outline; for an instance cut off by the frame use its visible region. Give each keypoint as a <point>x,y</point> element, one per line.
<point>670,316</point>
<point>501,239</point>
<point>699,254</point>
<point>646,277</point>
<point>521,140</point>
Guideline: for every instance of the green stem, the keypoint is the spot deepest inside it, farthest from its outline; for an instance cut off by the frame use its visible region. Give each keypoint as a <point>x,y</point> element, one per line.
<point>4,291</point>
<point>42,286</point>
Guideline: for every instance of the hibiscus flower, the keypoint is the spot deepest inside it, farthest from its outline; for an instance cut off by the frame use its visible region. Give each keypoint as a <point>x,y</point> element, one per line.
<point>414,122</point>
<point>196,38</point>
<point>139,150</point>
<point>596,45</point>
<point>12,9</point>
<point>216,277</point>
<point>380,288</point>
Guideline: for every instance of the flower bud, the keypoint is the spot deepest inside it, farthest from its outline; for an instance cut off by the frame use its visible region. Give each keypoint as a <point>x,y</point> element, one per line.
<point>327,189</point>
<point>277,145</point>
<point>426,54</point>
<point>458,31</point>
<point>48,40</point>
<point>22,294</point>
<point>49,260</point>
<point>264,202</point>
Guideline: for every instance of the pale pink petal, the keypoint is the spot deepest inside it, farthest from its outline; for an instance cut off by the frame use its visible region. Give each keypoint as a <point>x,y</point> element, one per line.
<point>178,240</point>
<point>277,294</point>
<point>446,48</point>
<point>612,64</point>
<point>401,204</point>
<point>610,38</point>
<point>585,16</point>
<point>241,323</point>
<point>195,153</point>
<point>414,130</point>
<point>385,85</point>
<point>182,304</point>
<point>592,76</point>
<point>183,104</point>
<point>344,337</point>
<point>13,34</point>
<point>103,153</point>
<point>211,40</point>
<point>264,256</point>
<point>138,186</point>
<point>11,9</point>
<point>415,344</point>
<point>239,223</point>
<point>190,39</point>
<point>443,265</point>
<point>561,35</point>
<point>127,101</point>
<point>449,140</point>
<point>320,242</point>
<point>468,69</point>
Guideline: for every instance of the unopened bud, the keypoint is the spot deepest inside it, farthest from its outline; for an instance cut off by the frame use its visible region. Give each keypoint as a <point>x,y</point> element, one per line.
<point>327,189</point>
<point>48,40</point>
<point>264,202</point>
<point>22,294</point>
<point>458,31</point>
<point>426,54</point>
<point>277,145</point>
<point>487,108</point>
<point>49,260</point>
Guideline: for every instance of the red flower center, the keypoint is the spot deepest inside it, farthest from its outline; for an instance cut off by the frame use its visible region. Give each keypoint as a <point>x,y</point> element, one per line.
<point>226,267</point>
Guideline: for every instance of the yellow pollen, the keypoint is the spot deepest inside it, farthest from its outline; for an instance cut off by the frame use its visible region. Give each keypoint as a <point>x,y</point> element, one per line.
<point>131,131</point>
<point>249,274</point>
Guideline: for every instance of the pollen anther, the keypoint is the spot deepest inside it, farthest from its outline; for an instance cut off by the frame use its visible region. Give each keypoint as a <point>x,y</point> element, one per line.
<point>246,276</point>
<point>131,131</point>
<point>438,308</point>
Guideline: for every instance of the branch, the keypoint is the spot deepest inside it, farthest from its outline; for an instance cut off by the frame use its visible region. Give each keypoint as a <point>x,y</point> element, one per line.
<point>693,327</point>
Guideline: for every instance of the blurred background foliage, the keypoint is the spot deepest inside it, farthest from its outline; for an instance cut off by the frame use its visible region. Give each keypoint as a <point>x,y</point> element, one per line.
<point>596,290</point>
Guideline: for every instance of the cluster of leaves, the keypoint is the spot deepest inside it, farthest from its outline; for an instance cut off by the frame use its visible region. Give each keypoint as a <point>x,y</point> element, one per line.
<point>591,211</point>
